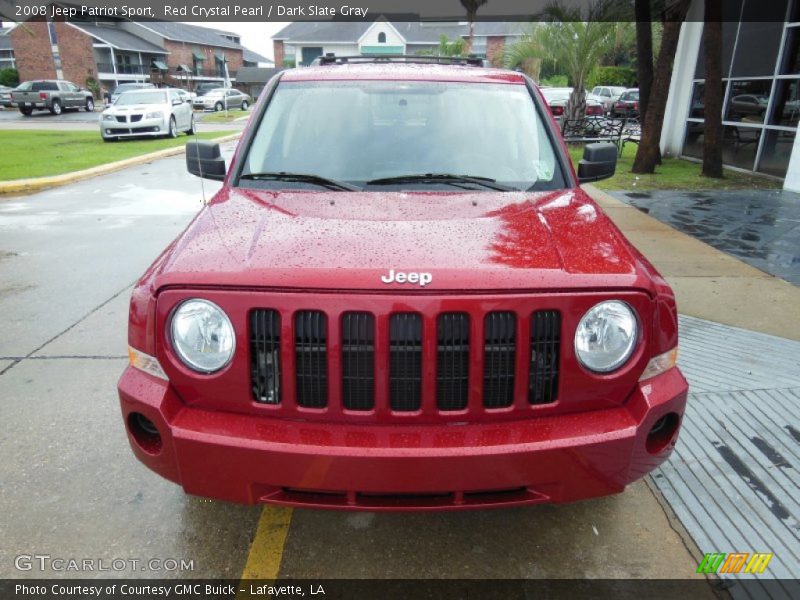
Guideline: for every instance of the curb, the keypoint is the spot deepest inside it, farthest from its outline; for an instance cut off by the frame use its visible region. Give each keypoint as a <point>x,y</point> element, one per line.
<point>23,186</point>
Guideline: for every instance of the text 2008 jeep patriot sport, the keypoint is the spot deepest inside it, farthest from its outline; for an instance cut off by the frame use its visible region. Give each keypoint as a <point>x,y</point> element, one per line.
<point>402,299</point>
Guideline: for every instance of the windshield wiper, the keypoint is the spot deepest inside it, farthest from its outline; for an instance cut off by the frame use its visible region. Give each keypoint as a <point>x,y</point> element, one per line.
<point>331,184</point>
<point>486,182</point>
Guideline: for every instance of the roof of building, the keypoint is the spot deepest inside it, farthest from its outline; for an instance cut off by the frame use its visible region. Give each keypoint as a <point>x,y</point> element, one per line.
<point>119,38</point>
<point>193,34</point>
<point>413,32</point>
<point>250,56</point>
<point>255,74</point>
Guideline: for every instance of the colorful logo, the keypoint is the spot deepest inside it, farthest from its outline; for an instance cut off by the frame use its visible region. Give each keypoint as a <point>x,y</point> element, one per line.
<point>734,562</point>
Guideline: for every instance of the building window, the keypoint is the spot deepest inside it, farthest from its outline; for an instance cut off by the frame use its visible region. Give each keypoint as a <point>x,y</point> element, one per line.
<point>760,89</point>
<point>381,38</point>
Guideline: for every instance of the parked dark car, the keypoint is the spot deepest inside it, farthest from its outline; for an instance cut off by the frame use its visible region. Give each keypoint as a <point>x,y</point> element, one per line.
<point>54,95</point>
<point>627,105</point>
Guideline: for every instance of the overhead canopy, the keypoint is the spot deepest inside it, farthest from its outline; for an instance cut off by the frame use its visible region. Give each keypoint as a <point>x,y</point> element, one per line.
<point>220,57</point>
<point>184,68</point>
<point>198,55</point>
<point>157,64</point>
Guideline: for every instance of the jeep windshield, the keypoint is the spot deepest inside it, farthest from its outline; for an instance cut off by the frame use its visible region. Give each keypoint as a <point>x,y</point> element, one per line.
<point>410,135</point>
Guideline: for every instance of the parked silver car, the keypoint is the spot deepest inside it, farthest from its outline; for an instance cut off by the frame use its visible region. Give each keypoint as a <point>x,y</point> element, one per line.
<point>127,87</point>
<point>148,112</point>
<point>222,98</point>
<point>608,94</point>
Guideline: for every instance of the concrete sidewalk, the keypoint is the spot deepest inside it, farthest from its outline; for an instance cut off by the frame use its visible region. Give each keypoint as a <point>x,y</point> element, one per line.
<point>708,283</point>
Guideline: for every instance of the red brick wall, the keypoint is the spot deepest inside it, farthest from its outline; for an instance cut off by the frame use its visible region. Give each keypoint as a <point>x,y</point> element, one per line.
<point>31,44</point>
<point>77,57</point>
<point>494,50</point>
<point>183,53</point>
<point>277,46</point>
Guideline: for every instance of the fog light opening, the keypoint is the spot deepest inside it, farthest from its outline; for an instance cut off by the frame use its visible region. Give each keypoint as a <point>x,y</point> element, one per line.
<point>663,432</point>
<point>144,432</point>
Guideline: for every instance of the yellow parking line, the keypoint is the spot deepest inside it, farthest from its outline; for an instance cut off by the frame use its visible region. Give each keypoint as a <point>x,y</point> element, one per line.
<point>266,551</point>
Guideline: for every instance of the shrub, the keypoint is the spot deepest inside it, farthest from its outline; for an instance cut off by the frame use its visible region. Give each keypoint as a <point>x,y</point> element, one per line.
<point>622,76</point>
<point>554,81</point>
<point>9,77</point>
<point>93,86</point>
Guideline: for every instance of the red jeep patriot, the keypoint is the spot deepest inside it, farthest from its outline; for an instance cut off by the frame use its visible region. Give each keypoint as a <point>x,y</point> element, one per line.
<point>402,299</point>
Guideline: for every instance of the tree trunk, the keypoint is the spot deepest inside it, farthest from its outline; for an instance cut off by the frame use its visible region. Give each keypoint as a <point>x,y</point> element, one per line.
<point>712,99</point>
<point>648,153</point>
<point>644,54</point>
<point>576,105</point>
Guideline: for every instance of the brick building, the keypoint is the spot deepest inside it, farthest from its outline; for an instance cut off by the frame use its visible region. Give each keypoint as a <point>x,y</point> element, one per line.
<point>301,42</point>
<point>120,51</point>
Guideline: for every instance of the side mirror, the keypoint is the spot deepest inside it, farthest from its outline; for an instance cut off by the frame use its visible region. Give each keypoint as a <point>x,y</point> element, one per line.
<point>177,102</point>
<point>204,159</point>
<point>599,162</point>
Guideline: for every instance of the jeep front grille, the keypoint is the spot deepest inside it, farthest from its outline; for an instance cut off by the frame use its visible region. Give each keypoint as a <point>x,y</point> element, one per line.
<point>379,362</point>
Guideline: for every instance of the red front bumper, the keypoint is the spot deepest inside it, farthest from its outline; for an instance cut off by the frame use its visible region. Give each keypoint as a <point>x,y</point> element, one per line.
<point>249,459</point>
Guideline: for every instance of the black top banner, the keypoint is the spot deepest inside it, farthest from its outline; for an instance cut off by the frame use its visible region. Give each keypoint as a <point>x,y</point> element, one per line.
<point>393,10</point>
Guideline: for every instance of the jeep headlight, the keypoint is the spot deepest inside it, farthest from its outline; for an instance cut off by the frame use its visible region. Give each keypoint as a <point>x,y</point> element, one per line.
<point>202,335</point>
<point>154,115</point>
<point>606,336</point>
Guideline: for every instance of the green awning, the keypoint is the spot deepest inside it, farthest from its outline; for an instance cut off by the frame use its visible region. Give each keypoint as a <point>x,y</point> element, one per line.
<point>220,57</point>
<point>157,64</point>
<point>198,55</point>
<point>184,68</point>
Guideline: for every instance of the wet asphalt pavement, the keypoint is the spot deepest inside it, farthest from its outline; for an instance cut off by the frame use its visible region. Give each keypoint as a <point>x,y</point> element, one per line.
<point>759,227</point>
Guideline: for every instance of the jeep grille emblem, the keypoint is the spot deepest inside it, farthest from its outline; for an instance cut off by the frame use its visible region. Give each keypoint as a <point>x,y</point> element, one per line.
<point>421,279</point>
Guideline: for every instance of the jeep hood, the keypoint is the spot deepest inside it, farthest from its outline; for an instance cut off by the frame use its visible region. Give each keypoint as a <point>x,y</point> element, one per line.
<point>349,241</point>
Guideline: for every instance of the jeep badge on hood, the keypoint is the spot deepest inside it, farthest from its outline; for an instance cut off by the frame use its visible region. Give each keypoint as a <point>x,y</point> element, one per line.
<point>422,279</point>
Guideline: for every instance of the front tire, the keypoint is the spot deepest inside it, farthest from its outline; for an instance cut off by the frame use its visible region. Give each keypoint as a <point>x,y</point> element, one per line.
<point>218,107</point>
<point>26,111</point>
<point>173,128</point>
<point>245,105</point>
<point>55,108</point>
<point>110,139</point>
<point>89,105</point>
<point>192,127</point>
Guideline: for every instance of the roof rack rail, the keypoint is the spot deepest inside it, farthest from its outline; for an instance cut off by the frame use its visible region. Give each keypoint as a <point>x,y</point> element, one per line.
<point>332,59</point>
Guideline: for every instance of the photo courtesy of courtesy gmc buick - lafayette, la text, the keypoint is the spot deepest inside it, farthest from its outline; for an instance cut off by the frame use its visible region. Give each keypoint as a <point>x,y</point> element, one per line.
<point>401,299</point>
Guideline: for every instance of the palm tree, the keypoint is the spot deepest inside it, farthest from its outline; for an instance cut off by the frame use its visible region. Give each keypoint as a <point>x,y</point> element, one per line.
<point>472,6</point>
<point>574,41</point>
<point>712,134</point>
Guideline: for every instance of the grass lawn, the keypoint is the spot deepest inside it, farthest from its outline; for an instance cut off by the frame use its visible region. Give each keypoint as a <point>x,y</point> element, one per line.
<point>41,153</point>
<point>221,117</point>
<point>673,174</point>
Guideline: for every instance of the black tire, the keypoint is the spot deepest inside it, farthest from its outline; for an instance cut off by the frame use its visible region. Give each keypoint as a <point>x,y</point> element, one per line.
<point>55,108</point>
<point>173,128</point>
<point>26,111</point>
<point>245,105</point>
<point>110,139</point>
<point>218,107</point>
<point>192,128</point>
<point>89,105</point>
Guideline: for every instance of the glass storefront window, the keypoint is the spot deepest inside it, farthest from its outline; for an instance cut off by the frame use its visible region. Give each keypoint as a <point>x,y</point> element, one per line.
<point>693,142</point>
<point>775,152</point>
<point>739,146</point>
<point>786,109</point>
<point>748,100</point>
<point>757,48</point>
